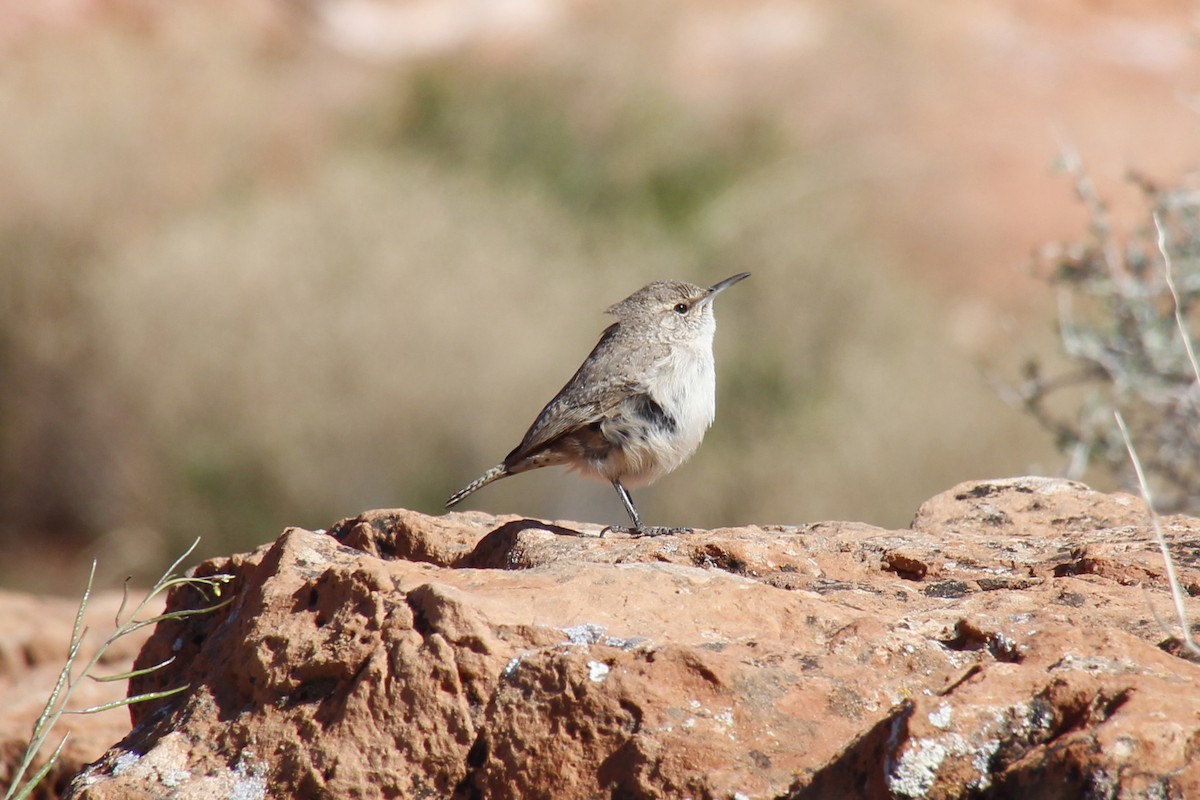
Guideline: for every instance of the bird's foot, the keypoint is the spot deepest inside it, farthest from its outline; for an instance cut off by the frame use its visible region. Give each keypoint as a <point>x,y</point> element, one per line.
<point>645,530</point>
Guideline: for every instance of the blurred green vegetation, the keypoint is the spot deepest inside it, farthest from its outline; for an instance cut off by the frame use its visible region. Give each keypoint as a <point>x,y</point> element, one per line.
<point>640,158</point>
<point>236,297</point>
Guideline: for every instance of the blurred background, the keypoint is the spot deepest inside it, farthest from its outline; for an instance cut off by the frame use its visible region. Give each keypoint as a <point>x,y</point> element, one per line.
<point>269,262</point>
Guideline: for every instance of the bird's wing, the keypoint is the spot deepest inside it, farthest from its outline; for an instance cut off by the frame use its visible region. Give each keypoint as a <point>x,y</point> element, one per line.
<point>608,376</point>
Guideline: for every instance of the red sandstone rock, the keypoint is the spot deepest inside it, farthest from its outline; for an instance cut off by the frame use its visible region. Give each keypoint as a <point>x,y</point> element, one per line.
<point>1005,644</point>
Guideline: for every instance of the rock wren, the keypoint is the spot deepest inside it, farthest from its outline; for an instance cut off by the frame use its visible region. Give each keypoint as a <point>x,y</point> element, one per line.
<point>639,404</point>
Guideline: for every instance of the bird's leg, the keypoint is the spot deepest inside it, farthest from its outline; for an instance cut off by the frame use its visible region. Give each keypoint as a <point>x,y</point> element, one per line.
<point>638,528</point>
<point>628,501</point>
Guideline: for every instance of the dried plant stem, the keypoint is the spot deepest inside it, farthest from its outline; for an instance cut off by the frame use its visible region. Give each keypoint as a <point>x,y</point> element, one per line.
<point>1179,321</point>
<point>1156,523</point>
<point>68,679</point>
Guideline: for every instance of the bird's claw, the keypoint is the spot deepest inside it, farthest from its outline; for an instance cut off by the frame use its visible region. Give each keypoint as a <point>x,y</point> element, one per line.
<point>645,530</point>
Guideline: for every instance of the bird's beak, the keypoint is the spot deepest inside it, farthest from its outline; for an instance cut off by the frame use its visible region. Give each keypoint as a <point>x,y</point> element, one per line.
<point>717,288</point>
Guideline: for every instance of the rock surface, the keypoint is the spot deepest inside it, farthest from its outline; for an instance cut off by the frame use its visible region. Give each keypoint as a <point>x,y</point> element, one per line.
<point>1005,645</point>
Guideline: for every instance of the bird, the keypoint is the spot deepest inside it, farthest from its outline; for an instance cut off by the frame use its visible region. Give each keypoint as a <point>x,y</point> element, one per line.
<point>639,405</point>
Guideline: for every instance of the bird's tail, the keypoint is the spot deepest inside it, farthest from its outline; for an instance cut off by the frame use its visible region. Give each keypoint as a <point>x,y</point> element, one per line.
<point>494,474</point>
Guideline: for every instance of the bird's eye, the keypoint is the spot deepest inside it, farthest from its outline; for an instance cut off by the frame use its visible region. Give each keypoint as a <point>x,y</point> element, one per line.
<point>681,308</point>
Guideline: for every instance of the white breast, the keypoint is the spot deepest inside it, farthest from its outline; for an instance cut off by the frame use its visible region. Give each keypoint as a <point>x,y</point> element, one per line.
<point>685,387</point>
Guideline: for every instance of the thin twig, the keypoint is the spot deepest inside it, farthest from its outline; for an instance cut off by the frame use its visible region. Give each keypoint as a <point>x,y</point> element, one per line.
<point>1179,321</point>
<point>1172,580</point>
<point>1098,213</point>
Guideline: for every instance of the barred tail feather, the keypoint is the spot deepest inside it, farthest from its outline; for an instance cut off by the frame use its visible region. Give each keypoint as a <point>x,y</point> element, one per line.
<point>494,474</point>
